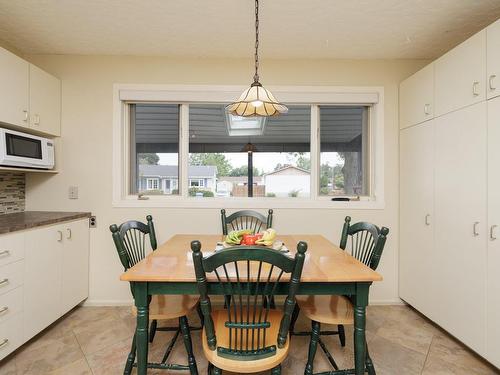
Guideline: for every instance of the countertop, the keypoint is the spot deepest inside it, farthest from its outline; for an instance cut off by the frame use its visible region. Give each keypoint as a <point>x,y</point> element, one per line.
<point>32,219</point>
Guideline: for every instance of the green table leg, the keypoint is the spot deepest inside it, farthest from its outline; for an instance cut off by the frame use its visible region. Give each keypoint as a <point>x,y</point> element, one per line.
<point>142,304</point>
<point>360,303</point>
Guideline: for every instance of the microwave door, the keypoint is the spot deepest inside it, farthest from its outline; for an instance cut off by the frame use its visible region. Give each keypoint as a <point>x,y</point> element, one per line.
<point>23,150</point>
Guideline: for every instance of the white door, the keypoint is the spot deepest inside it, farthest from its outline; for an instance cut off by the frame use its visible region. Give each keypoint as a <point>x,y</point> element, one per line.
<point>416,97</point>
<point>14,86</point>
<point>42,285</point>
<point>460,75</point>
<point>460,223</point>
<point>493,286</point>
<point>45,101</point>
<point>416,262</point>
<point>75,265</point>
<point>493,59</point>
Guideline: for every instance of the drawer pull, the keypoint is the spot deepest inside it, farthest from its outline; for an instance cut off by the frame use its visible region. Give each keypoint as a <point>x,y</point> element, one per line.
<point>59,236</point>
<point>4,282</point>
<point>4,309</point>
<point>474,229</point>
<point>427,109</point>
<point>26,116</point>
<point>3,343</point>
<point>475,86</point>
<point>490,80</point>
<point>4,253</point>
<point>492,232</point>
<point>69,233</point>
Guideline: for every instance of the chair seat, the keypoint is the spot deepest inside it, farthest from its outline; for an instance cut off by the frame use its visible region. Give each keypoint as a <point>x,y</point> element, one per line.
<point>244,367</point>
<point>164,307</point>
<point>327,309</point>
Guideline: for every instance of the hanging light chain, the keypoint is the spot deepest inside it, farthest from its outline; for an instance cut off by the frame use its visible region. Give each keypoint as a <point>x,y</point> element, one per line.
<point>256,75</point>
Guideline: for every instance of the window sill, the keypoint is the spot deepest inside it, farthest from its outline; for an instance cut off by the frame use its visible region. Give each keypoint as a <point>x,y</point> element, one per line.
<point>250,203</point>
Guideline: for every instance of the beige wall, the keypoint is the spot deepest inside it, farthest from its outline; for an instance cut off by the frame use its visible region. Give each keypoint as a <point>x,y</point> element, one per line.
<point>87,151</point>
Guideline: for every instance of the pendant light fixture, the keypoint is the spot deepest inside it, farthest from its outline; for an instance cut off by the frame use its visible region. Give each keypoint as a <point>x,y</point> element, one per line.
<point>256,100</point>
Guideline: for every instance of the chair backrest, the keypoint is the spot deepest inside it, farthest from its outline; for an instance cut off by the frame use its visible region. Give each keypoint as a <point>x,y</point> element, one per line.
<point>249,277</point>
<point>367,241</point>
<point>130,240</point>
<point>246,219</point>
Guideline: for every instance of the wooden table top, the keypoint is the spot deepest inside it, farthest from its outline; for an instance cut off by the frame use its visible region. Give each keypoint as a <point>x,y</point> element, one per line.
<point>325,262</point>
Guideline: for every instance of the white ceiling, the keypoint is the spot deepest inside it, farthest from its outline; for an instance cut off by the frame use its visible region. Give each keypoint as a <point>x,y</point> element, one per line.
<point>224,28</point>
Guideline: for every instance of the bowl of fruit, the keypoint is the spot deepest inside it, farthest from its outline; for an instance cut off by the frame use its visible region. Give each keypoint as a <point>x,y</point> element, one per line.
<point>247,237</point>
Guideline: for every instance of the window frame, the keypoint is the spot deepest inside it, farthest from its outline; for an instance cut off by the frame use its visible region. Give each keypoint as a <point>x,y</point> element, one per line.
<point>123,94</point>
<point>153,179</point>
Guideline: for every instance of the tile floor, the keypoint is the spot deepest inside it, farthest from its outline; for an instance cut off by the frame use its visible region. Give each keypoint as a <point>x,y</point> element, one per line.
<point>96,340</point>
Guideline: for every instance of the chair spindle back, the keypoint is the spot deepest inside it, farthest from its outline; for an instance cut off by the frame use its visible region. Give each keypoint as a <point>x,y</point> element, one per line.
<point>367,241</point>
<point>249,277</point>
<point>246,219</point>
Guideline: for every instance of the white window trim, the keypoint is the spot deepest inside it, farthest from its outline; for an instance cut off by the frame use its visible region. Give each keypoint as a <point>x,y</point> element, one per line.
<point>188,94</point>
<point>152,179</point>
<point>201,182</point>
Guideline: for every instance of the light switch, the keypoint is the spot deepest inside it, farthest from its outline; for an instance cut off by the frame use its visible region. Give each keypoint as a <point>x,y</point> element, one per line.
<point>73,192</point>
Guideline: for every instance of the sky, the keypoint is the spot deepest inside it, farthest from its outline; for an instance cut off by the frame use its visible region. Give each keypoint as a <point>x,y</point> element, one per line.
<point>264,161</point>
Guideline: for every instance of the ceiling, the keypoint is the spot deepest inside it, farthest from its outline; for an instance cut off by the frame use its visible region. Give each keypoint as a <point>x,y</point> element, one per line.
<point>224,28</point>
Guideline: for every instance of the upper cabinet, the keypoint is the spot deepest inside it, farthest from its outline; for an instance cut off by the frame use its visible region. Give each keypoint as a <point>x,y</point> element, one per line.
<point>29,97</point>
<point>14,88</point>
<point>416,97</point>
<point>460,75</point>
<point>45,101</point>
<point>493,60</point>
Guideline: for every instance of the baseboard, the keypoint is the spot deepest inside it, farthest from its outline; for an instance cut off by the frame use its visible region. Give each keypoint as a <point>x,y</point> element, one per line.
<point>380,302</point>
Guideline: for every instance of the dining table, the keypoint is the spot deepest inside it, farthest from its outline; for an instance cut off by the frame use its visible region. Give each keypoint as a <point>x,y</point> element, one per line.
<point>328,270</point>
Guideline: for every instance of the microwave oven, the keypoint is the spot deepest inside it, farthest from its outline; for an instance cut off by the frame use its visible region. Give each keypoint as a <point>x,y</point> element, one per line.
<point>19,149</point>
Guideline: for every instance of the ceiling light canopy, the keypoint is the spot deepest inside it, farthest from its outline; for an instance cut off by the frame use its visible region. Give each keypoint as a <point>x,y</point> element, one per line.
<point>256,100</point>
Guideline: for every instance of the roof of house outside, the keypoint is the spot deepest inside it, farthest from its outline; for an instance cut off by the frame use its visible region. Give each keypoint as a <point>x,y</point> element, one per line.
<point>289,169</point>
<point>194,171</point>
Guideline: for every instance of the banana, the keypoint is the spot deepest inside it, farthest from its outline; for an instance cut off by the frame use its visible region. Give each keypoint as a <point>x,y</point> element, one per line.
<point>268,237</point>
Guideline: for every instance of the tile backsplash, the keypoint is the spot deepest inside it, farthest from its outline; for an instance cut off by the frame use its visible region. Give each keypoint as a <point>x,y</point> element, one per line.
<point>12,192</point>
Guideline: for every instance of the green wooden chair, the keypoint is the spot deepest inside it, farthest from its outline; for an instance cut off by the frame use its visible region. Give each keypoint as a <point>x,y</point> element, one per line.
<point>130,242</point>
<point>367,243</point>
<point>248,336</point>
<point>246,219</point>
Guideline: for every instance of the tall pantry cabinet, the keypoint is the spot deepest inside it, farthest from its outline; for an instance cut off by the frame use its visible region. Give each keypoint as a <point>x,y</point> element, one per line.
<point>450,192</point>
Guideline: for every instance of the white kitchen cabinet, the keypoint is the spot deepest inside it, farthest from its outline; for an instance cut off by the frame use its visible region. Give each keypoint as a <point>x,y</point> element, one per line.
<point>460,223</point>
<point>14,86</point>
<point>45,102</point>
<point>416,97</point>
<point>417,217</point>
<point>11,248</point>
<point>493,60</point>
<point>460,75</point>
<point>493,264</point>
<point>42,288</point>
<point>75,264</point>
<point>11,336</point>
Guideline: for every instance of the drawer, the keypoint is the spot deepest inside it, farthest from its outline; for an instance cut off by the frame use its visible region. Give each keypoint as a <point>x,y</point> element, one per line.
<point>11,303</point>
<point>11,248</point>
<point>11,335</point>
<point>11,276</point>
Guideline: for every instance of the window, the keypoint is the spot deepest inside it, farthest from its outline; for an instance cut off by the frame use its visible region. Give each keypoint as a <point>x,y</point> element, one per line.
<point>154,148</point>
<point>309,157</point>
<point>344,151</point>
<point>249,156</point>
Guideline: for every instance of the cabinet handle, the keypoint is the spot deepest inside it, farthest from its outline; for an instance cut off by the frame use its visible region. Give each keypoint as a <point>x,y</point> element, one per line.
<point>427,109</point>
<point>4,282</point>
<point>475,86</point>
<point>3,343</point>
<point>474,229</point>
<point>492,232</point>
<point>69,233</point>
<point>4,253</point>
<point>26,116</point>
<point>36,120</point>
<point>427,217</point>
<point>490,82</point>
<point>60,236</point>
<point>4,309</point>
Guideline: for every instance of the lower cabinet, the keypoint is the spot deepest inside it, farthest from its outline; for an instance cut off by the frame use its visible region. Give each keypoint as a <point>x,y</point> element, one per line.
<point>43,275</point>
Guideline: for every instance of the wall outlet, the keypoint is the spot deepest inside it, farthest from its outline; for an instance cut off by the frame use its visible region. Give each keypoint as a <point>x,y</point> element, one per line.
<point>73,192</point>
<point>92,222</point>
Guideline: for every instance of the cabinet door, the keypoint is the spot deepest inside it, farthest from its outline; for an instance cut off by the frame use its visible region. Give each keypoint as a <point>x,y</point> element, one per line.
<point>45,101</point>
<point>416,259</point>
<point>14,76</point>
<point>75,266</point>
<point>493,284</point>
<point>416,97</point>
<point>42,286</point>
<point>461,230</point>
<point>460,75</point>
<point>493,59</point>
